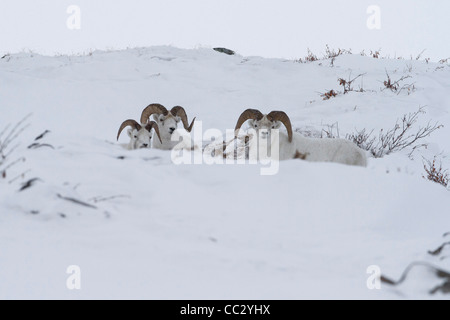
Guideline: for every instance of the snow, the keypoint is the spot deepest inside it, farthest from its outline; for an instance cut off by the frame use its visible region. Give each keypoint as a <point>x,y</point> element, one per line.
<point>158,230</point>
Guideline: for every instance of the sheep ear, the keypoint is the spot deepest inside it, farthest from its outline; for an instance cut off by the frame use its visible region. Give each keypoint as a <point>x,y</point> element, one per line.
<point>155,117</point>
<point>251,122</point>
<point>177,119</point>
<point>130,132</point>
<point>277,124</point>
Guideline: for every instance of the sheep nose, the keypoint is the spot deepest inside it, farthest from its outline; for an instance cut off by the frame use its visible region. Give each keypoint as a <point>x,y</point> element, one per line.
<point>171,130</point>
<point>145,145</point>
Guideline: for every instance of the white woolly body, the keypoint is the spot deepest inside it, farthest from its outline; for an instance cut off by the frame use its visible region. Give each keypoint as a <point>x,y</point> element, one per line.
<point>321,150</point>
<point>166,144</point>
<point>309,149</point>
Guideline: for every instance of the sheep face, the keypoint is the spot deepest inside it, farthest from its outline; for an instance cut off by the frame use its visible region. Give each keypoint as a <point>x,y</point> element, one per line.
<point>264,127</point>
<point>140,135</point>
<point>139,139</point>
<point>263,124</point>
<point>167,124</point>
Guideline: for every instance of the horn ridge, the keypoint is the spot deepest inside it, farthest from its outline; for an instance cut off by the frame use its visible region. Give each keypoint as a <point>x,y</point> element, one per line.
<point>246,115</point>
<point>283,118</point>
<point>154,108</point>
<point>153,125</point>
<point>180,112</point>
<point>126,123</point>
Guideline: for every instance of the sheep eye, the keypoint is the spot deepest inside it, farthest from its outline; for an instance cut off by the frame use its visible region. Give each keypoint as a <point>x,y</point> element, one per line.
<point>135,137</point>
<point>256,126</point>
<point>273,127</point>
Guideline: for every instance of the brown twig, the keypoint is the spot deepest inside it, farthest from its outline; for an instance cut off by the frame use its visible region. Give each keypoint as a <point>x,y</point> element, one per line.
<point>347,84</point>
<point>394,86</point>
<point>436,174</point>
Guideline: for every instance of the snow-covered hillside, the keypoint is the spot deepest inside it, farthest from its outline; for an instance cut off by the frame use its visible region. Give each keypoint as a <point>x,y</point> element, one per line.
<point>139,226</point>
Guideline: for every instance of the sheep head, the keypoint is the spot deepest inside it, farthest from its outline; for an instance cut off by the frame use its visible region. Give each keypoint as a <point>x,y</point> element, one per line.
<point>166,120</point>
<point>140,135</point>
<point>263,123</point>
<point>180,114</point>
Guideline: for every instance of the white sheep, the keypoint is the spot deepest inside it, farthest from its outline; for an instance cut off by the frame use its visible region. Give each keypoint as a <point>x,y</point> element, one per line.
<point>167,122</point>
<point>140,135</point>
<point>293,145</point>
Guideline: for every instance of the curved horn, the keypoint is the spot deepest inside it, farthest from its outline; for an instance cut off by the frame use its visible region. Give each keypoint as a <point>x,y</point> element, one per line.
<point>246,115</point>
<point>153,125</point>
<point>283,117</point>
<point>152,109</point>
<point>180,112</point>
<point>126,123</point>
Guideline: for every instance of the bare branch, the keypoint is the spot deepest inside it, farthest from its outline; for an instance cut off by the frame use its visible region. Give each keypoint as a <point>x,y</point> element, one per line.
<point>9,166</point>
<point>420,54</point>
<point>347,84</point>
<point>393,85</point>
<point>76,201</point>
<point>3,132</point>
<point>439,250</point>
<point>40,145</point>
<point>22,175</point>
<point>101,199</point>
<point>331,132</point>
<point>29,184</point>
<point>7,136</point>
<point>42,135</point>
<point>396,139</point>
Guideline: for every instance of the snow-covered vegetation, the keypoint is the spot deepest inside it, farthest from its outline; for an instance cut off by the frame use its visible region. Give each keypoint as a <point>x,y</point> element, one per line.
<point>140,226</point>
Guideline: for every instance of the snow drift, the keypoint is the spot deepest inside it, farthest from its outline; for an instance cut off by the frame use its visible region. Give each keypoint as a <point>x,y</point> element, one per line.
<point>139,226</point>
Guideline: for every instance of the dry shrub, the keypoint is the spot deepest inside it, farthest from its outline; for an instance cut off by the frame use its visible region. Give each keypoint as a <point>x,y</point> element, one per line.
<point>436,173</point>
<point>396,139</point>
<point>329,94</point>
<point>8,136</point>
<point>348,84</point>
<point>394,86</point>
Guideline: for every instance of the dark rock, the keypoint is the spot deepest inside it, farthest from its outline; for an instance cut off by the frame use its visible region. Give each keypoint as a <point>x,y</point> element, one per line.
<point>226,51</point>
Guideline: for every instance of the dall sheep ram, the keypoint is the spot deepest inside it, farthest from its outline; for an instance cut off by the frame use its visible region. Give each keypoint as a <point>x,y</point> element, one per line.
<point>293,145</point>
<point>167,122</point>
<point>140,135</point>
